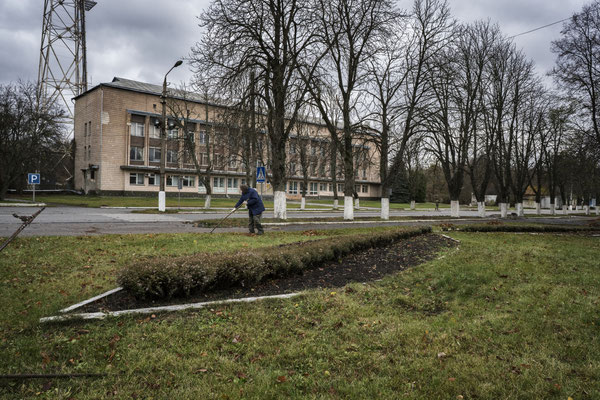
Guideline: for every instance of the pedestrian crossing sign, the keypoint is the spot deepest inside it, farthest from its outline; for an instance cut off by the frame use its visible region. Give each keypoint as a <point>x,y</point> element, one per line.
<point>261,174</point>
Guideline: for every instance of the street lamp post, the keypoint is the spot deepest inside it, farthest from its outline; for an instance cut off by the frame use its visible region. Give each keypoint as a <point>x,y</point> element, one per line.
<point>162,201</point>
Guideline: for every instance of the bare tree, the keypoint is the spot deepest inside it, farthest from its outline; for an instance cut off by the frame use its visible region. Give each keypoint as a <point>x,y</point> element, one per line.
<point>199,150</point>
<point>577,68</point>
<point>350,33</point>
<point>399,88</point>
<point>553,146</point>
<point>475,44</point>
<point>270,38</point>
<point>528,131</point>
<point>29,134</point>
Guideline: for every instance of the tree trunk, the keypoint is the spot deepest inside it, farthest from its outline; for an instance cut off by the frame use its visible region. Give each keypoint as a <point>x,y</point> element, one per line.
<point>454,208</point>
<point>385,208</point>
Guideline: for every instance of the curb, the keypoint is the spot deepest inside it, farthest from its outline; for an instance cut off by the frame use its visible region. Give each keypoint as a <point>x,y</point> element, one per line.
<point>151,310</point>
<point>23,205</point>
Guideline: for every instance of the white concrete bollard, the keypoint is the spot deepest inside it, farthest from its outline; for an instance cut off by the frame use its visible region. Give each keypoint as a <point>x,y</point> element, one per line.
<point>538,209</point>
<point>564,210</point>
<point>207,201</point>
<point>335,204</point>
<point>412,204</point>
<point>303,203</point>
<point>552,209</point>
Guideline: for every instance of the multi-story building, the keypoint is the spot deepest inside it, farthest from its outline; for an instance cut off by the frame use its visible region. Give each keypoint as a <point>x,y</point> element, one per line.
<point>118,147</point>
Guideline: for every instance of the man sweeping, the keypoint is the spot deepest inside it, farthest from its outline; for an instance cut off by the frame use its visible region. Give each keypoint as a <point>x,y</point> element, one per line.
<point>255,208</point>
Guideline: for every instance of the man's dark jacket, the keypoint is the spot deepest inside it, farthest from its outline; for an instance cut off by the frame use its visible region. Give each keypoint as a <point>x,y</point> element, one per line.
<point>255,204</point>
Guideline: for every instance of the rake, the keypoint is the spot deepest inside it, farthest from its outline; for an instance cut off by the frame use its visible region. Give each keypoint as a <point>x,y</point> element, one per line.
<point>227,216</point>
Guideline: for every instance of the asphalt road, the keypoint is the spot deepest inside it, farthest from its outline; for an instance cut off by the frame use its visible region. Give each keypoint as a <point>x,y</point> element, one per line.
<point>77,221</point>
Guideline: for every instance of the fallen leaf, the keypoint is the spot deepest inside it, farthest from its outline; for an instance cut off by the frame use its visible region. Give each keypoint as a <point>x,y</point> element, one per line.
<point>451,379</point>
<point>281,379</point>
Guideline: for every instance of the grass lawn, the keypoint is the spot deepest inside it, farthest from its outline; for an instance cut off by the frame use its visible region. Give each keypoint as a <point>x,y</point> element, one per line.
<point>505,316</point>
<point>243,222</point>
<point>122,201</point>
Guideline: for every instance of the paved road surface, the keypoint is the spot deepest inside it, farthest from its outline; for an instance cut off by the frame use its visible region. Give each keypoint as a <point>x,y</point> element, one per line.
<point>67,220</point>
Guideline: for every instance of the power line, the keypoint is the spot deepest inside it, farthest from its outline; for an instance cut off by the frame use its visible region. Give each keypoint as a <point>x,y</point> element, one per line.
<point>541,27</point>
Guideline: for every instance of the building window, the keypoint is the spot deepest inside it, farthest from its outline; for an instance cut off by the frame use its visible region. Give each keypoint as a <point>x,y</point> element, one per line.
<point>202,137</point>
<point>330,187</point>
<point>323,187</point>
<point>292,168</point>
<point>293,188</point>
<point>137,129</point>
<point>322,170</point>
<point>190,136</point>
<point>232,183</point>
<point>188,181</point>
<point>243,181</point>
<point>173,133</point>
<point>232,162</point>
<point>340,187</point>
<point>292,148</point>
<point>153,179</point>
<point>155,131</point>
<point>172,156</point>
<point>364,174</point>
<point>136,179</point>
<point>204,159</point>
<point>313,188</point>
<point>365,188</point>
<point>154,154</point>
<point>136,153</point>
<point>218,182</point>
<point>173,180</point>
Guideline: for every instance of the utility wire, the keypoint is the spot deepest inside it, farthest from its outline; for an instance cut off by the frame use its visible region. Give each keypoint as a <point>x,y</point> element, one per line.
<point>541,27</point>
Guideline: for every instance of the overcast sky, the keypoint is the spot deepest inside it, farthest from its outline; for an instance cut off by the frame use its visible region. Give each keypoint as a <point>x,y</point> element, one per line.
<point>141,39</point>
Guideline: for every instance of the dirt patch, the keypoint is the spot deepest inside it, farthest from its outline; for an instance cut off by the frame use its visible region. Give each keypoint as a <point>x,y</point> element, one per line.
<point>365,266</point>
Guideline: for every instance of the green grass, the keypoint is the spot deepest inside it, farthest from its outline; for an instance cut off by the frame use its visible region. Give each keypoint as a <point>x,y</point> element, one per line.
<point>126,201</point>
<point>516,316</point>
<point>242,222</point>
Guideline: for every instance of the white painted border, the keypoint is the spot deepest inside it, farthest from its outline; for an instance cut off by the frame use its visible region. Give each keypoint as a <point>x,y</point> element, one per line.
<point>150,310</point>
<point>90,300</point>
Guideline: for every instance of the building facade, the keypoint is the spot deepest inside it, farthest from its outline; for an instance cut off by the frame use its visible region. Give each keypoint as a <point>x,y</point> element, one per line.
<point>118,148</point>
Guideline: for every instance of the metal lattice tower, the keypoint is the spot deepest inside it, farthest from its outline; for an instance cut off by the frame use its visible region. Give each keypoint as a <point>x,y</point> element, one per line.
<point>62,72</point>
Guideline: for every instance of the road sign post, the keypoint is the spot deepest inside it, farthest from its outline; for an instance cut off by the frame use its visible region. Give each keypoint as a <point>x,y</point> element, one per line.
<point>33,179</point>
<point>261,177</point>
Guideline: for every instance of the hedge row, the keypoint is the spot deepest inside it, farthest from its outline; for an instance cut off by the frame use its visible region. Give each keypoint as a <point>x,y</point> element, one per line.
<point>524,228</point>
<point>165,277</point>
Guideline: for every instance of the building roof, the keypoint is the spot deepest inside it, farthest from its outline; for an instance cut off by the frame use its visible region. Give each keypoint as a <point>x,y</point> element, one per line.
<point>149,88</point>
<point>156,90</point>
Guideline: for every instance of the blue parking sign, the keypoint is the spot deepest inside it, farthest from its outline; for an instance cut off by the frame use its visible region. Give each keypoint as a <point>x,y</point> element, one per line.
<point>33,179</point>
<point>261,174</point>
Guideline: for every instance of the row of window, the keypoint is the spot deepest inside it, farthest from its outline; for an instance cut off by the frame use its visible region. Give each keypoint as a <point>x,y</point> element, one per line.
<point>154,180</point>
<point>154,153</point>
<point>138,129</point>
<point>232,183</point>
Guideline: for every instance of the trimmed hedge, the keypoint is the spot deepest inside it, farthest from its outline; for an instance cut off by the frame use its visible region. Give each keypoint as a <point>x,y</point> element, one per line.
<point>524,228</point>
<point>165,277</point>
